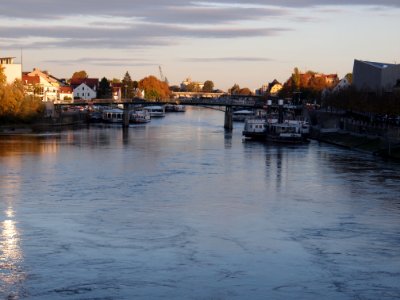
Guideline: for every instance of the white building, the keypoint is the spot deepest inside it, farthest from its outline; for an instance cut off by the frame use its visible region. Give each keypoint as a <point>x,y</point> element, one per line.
<point>41,84</point>
<point>11,70</point>
<point>83,91</point>
<point>344,83</point>
<point>375,76</point>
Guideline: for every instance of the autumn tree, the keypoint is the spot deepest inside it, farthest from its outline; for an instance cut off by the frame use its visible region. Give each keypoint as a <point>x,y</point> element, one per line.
<point>154,88</point>
<point>245,91</point>
<point>208,86</point>
<point>79,75</point>
<point>15,106</point>
<point>234,90</point>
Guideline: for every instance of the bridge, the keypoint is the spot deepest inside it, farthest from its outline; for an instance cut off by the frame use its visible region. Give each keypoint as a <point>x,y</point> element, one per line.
<point>228,102</point>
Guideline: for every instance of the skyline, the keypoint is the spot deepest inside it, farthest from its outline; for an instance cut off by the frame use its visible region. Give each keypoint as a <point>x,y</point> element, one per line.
<point>223,41</point>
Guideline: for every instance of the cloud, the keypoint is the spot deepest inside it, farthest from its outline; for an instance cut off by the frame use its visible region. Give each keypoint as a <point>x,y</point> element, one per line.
<point>103,61</point>
<point>226,59</point>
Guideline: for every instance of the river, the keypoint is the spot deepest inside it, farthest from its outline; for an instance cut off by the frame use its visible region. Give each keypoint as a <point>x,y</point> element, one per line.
<point>180,209</point>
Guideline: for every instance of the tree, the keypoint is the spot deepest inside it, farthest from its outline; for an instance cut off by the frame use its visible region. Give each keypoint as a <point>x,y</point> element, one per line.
<point>127,86</point>
<point>192,87</point>
<point>296,79</point>
<point>79,75</point>
<point>245,91</point>
<point>14,105</point>
<point>104,89</point>
<point>234,90</point>
<point>349,77</point>
<point>208,86</point>
<point>154,89</point>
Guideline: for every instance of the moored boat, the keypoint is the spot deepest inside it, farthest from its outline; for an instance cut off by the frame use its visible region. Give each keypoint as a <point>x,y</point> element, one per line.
<point>112,115</point>
<point>242,115</point>
<point>155,110</point>
<point>139,117</point>
<point>255,128</point>
<point>289,132</point>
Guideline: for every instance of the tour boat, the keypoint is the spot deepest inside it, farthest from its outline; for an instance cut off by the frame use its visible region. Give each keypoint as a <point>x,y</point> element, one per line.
<point>139,117</point>
<point>255,128</point>
<point>155,110</point>
<point>289,131</point>
<point>179,108</point>
<point>114,115</point>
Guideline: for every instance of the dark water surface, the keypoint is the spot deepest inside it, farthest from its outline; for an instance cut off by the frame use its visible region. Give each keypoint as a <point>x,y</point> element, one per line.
<point>179,209</point>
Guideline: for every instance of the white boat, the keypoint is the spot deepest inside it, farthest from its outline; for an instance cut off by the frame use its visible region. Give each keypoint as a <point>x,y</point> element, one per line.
<point>242,115</point>
<point>139,117</point>
<point>114,115</point>
<point>289,132</point>
<point>155,110</point>
<point>255,128</point>
<point>179,108</point>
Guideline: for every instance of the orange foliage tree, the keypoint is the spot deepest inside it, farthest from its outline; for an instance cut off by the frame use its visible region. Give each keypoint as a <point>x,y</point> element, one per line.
<point>15,106</point>
<point>154,89</point>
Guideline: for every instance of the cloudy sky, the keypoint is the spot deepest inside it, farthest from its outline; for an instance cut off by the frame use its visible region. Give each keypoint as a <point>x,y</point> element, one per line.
<point>227,41</point>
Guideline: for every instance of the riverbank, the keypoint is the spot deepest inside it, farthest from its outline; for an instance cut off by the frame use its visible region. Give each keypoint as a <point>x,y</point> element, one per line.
<point>65,121</point>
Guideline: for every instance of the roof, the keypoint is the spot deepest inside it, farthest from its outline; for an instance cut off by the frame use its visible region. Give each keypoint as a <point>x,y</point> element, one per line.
<point>65,89</point>
<point>90,82</point>
<point>378,65</point>
<point>26,79</point>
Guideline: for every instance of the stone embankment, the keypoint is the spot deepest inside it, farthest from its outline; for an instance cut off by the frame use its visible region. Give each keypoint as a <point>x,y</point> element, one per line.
<point>338,129</point>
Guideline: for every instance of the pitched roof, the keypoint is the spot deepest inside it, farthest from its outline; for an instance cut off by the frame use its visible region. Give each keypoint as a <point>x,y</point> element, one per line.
<point>377,64</point>
<point>26,79</point>
<point>90,82</point>
<point>65,89</point>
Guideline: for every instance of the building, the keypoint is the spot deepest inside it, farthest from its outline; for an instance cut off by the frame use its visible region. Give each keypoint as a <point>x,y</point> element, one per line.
<point>343,84</point>
<point>11,70</point>
<point>189,84</point>
<point>41,84</point>
<point>375,76</point>
<point>65,93</point>
<point>85,88</point>
<point>271,88</point>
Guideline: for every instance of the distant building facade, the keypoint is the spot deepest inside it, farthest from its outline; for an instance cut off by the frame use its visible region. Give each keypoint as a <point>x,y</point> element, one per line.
<point>41,84</point>
<point>85,88</point>
<point>375,76</point>
<point>197,86</point>
<point>11,70</point>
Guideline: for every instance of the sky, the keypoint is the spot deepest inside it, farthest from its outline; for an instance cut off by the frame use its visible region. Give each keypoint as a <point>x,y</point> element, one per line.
<point>249,43</point>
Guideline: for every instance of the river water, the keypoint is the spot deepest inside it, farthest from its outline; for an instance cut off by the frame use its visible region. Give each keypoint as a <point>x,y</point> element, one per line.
<point>180,209</point>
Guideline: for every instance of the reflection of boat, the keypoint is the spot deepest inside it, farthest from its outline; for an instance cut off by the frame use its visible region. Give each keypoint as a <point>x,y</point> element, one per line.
<point>139,117</point>
<point>155,110</point>
<point>242,115</point>
<point>112,115</point>
<point>255,128</point>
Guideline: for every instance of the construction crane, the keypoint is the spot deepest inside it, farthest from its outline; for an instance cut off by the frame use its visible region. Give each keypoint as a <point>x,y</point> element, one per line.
<point>162,77</point>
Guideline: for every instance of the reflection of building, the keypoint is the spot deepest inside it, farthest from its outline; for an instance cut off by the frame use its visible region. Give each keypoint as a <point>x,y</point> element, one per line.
<point>11,70</point>
<point>375,76</point>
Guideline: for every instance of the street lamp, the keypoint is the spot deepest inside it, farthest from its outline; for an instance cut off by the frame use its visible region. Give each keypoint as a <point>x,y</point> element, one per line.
<point>126,87</point>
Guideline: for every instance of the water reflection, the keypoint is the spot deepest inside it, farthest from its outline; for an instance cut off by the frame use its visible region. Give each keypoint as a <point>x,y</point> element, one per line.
<point>11,256</point>
<point>40,144</point>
